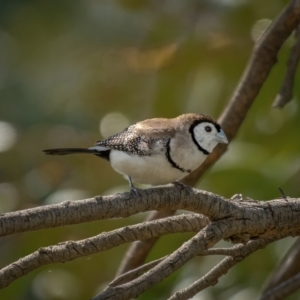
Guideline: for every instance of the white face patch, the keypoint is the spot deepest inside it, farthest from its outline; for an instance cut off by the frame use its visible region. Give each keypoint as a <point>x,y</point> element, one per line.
<point>204,134</point>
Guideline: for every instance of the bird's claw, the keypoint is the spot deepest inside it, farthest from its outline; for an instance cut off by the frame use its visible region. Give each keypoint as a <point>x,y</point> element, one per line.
<point>180,185</point>
<point>135,191</point>
<point>237,197</point>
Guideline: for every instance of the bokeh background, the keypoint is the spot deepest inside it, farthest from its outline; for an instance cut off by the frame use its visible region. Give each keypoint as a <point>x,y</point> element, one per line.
<point>74,72</point>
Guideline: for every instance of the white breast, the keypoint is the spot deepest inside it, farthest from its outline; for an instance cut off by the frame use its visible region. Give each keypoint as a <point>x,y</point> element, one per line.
<point>185,153</point>
<point>154,170</point>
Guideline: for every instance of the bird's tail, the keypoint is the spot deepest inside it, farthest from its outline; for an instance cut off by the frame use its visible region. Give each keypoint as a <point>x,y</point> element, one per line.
<point>65,151</point>
<point>97,150</point>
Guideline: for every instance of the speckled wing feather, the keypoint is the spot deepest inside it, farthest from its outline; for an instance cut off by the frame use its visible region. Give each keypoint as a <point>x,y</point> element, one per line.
<point>144,138</point>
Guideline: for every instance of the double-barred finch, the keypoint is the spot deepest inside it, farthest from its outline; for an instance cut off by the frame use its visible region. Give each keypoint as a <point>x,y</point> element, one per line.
<point>157,151</point>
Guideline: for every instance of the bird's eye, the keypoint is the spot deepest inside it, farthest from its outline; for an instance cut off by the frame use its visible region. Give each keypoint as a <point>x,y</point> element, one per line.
<point>207,128</point>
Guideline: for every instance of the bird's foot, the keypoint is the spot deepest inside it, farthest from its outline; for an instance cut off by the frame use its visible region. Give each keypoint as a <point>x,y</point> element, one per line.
<point>237,197</point>
<point>180,185</point>
<point>135,191</point>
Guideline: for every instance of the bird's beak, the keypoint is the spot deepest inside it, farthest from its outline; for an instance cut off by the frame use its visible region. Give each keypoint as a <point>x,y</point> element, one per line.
<point>221,137</point>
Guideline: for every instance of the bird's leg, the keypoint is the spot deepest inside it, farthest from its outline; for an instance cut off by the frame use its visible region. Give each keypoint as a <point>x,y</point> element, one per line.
<point>131,183</point>
<point>132,187</point>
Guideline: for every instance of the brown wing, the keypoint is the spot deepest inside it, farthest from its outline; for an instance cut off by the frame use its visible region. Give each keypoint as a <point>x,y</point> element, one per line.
<point>143,138</point>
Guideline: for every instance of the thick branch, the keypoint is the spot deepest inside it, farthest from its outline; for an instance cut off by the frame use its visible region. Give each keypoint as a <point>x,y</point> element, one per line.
<point>276,213</point>
<point>97,208</point>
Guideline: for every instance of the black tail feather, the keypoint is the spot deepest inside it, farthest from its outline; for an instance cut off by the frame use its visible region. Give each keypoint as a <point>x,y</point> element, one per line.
<point>64,151</point>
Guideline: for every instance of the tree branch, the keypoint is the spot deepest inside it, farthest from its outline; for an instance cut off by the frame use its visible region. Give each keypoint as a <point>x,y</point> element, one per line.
<point>205,239</point>
<point>286,92</point>
<point>132,274</point>
<point>259,219</point>
<point>287,268</point>
<point>70,250</point>
<point>200,242</point>
<point>126,204</point>
<point>97,208</point>
<point>237,254</point>
<point>138,251</point>
<point>283,290</point>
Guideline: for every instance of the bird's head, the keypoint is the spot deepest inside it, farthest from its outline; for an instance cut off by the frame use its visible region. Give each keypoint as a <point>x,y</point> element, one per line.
<point>207,133</point>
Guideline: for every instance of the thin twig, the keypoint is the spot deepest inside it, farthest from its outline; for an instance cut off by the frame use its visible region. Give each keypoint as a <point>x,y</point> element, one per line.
<point>287,268</point>
<point>128,276</point>
<point>283,290</point>
<point>220,251</point>
<point>286,92</point>
<point>283,195</point>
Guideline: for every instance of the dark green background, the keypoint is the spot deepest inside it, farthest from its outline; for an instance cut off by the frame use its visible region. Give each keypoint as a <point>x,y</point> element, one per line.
<point>65,65</point>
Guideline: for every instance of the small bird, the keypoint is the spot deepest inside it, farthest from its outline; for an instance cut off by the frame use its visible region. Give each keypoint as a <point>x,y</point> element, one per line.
<point>157,151</point>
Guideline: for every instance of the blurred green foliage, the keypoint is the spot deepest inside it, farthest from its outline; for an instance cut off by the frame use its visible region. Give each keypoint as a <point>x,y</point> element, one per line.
<point>65,65</point>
